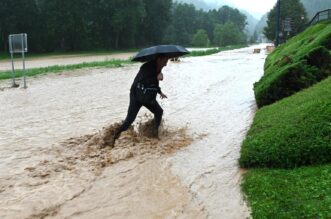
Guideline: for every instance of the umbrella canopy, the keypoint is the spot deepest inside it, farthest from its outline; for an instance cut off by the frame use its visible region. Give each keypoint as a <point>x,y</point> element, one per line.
<point>152,53</point>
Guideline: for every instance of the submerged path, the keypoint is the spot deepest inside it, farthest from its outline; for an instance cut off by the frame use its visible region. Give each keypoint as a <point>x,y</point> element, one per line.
<point>38,62</point>
<point>192,175</point>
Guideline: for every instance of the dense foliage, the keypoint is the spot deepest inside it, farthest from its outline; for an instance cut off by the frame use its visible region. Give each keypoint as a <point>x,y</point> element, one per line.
<point>227,34</point>
<point>312,7</point>
<point>292,10</point>
<point>73,25</point>
<point>201,39</point>
<point>301,62</point>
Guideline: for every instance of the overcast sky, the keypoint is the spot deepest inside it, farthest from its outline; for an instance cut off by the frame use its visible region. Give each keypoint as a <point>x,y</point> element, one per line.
<point>255,7</point>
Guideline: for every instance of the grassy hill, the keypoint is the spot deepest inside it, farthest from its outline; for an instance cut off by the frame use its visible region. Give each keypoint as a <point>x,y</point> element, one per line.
<point>289,144</point>
<point>293,132</point>
<point>301,62</point>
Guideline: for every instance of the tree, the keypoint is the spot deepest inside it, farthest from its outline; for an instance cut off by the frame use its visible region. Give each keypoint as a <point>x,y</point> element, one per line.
<point>65,25</point>
<point>228,34</point>
<point>223,15</point>
<point>19,16</point>
<point>228,14</point>
<point>200,38</point>
<point>289,9</point>
<point>156,21</point>
<point>184,23</point>
<point>125,20</point>
<point>75,25</point>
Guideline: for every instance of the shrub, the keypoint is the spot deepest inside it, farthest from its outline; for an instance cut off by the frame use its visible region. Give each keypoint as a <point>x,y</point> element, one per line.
<point>201,38</point>
<point>293,132</point>
<point>319,57</point>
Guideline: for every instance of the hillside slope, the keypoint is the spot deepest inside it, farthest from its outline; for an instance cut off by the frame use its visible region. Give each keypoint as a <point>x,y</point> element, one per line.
<point>289,144</point>
<point>293,132</point>
<point>297,64</point>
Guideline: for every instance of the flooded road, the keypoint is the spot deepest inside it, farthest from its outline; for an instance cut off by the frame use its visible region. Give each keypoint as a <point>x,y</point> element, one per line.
<point>47,171</point>
<point>51,60</point>
<point>39,62</point>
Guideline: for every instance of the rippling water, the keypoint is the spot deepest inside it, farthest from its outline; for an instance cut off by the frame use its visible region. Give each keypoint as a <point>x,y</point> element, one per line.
<point>210,97</point>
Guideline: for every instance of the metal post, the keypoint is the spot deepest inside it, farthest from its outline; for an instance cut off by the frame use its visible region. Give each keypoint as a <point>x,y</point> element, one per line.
<point>277,23</point>
<point>13,70</point>
<point>12,63</point>
<point>23,57</point>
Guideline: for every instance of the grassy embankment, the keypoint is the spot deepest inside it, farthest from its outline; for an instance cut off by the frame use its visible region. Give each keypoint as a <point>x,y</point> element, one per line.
<point>214,50</point>
<point>301,62</point>
<point>102,64</point>
<point>289,143</point>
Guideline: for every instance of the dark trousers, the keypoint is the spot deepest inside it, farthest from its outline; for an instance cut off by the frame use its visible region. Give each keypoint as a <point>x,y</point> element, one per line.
<point>134,108</point>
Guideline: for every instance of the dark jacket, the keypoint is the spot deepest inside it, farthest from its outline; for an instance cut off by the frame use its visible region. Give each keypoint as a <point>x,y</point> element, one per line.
<point>147,76</point>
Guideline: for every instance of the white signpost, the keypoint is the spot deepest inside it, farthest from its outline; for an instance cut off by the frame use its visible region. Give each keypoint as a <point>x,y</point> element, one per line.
<point>18,43</point>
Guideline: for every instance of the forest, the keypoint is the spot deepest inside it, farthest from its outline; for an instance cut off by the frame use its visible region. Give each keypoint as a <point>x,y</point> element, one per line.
<point>74,25</point>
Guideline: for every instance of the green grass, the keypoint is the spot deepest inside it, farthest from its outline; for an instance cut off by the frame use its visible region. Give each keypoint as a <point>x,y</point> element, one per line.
<point>60,68</point>
<point>297,64</point>
<point>297,193</point>
<point>214,50</point>
<point>293,132</point>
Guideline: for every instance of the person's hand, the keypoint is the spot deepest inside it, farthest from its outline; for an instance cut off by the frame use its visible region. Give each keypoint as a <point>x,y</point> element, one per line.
<point>162,95</point>
<point>160,77</point>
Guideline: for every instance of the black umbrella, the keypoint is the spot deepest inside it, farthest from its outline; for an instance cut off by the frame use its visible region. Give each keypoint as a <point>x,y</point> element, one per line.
<point>152,53</point>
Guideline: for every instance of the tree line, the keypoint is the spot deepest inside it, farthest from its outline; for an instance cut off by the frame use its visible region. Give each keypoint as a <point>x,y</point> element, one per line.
<point>75,25</point>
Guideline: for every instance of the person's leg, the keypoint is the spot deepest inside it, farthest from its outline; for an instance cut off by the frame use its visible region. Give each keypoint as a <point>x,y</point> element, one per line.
<point>133,110</point>
<point>156,109</point>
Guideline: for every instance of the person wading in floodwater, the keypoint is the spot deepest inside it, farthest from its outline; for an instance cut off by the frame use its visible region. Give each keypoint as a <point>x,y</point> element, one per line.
<point>143,92</point>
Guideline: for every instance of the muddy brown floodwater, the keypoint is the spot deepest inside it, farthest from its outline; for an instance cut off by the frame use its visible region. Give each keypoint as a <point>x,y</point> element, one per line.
<point>50,169</point>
